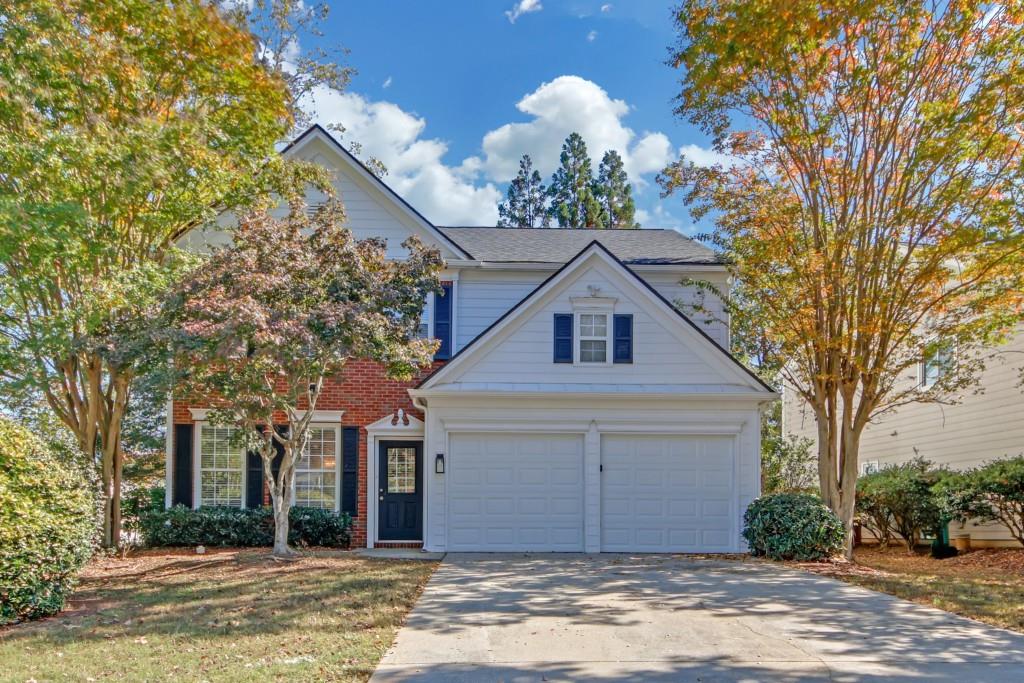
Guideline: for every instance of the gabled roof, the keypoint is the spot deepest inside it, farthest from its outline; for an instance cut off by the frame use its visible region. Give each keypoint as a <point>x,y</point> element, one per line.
<point>558,245</point>
<point>577,261</point>
<point>316,130</point>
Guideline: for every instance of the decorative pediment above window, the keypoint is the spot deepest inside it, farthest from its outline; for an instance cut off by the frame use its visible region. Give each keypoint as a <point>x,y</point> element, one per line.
<point>397,423</point>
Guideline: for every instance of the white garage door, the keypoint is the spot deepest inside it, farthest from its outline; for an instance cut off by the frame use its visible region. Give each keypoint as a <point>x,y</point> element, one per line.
<point>515,492</point>
<point>667,494</point>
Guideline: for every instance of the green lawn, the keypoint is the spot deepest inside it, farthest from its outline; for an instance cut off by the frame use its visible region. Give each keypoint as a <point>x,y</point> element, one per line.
<point>987,585</point>
<point>225,616</point>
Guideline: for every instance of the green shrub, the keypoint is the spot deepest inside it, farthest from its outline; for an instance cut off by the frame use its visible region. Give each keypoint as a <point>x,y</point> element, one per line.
<point>990,493</point>
<point>47,526</point>
<point>224,526</point>
<point>136,502</point>
<point>900,499</point>
<point>792,526</point>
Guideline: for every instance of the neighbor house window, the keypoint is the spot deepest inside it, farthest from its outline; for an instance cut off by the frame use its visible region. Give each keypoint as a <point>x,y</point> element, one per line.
<point>316,472</point>
<point>220,467</point>
<point>869,467</point>
<point>934,366</point>
<point>593,328</point>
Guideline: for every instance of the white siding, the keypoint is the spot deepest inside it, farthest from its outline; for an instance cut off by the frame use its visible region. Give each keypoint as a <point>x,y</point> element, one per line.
<point>485,295</point>
<point>715,321</point>
<point>981,427</point>
<point>369,211</point>
<point>659,355</point>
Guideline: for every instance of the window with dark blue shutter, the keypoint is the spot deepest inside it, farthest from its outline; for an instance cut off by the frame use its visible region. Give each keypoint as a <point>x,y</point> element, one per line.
<point>563,337</point>
<point>443,322</point>
<point>182,477</point>
<point>253,480</point>
<point>623,339</point>
<point>350,470</point>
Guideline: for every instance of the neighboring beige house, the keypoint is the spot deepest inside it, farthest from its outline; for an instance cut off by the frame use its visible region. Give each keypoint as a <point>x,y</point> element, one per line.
<point>986,424</point>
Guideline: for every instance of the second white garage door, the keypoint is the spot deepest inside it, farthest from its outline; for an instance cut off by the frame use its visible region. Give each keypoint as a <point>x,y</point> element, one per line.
<point>515,492</point>
<point>667,494</point>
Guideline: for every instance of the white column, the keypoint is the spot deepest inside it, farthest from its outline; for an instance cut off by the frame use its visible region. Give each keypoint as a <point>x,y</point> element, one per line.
<point>592,490</point>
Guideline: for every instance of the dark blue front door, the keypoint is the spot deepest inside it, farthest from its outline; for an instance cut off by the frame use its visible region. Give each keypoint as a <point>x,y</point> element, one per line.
<point>400,491</point>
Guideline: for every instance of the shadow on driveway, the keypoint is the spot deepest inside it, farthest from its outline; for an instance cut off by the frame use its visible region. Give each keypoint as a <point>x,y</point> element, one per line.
<point>651,617</point>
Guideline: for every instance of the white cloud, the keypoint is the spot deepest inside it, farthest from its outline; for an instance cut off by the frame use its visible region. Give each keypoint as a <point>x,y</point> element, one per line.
<point>523,7</point>
<point>416,170</point>
<point>606,8</point>
<point>592,36</point>
<point>387,83</point>
<point>702,156</point>
<point>560,107</point>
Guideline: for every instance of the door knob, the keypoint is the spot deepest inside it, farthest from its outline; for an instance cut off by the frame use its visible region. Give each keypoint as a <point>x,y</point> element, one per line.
<point>382,497</point>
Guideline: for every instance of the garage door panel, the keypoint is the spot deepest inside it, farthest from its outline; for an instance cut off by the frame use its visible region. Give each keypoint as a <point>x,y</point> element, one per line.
<point>536,490</point>
<point>667,493</point>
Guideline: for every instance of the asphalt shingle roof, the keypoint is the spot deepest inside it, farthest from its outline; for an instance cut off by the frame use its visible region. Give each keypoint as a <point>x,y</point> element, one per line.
<point>558,245</point>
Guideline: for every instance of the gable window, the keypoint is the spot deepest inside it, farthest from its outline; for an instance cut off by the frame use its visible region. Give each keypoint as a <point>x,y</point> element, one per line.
<point>593,336</point>
<point>220,467</point>
<point>316,472</point>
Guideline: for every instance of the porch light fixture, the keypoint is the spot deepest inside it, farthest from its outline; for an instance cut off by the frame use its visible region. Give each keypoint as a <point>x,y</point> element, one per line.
<point>439,463</point>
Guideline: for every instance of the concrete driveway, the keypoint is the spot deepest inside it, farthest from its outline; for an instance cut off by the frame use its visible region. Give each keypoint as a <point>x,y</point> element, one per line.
<point>654,618</point>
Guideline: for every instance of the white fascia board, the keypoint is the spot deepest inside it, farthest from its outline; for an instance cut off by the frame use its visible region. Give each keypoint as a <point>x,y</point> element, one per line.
<point>756,397</point>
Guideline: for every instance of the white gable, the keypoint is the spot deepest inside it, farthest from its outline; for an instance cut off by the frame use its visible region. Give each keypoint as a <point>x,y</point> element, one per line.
<point>669,354</point>
<point>371,208</point>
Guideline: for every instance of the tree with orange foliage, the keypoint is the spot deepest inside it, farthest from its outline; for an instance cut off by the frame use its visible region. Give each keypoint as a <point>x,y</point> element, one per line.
<point>873,214</point>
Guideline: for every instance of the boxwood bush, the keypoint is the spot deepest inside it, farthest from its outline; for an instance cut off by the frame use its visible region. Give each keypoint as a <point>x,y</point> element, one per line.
<point>792,526</point>
<point>224,526</point>
<point>47,526</point>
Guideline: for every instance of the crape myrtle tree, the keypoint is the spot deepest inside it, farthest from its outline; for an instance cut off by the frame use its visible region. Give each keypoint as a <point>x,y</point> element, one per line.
<point>524,206</point>
<point>123,126</point>
<point>873,215</point>
<point>265,321</point>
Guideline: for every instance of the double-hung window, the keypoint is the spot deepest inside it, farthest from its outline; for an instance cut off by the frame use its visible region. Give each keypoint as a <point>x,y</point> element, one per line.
<point>220,467</point>
<point>593,336</point>
<point>316,472</point>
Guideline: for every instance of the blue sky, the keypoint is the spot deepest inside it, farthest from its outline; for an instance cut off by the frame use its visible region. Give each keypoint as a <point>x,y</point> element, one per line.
<point>449,95</point>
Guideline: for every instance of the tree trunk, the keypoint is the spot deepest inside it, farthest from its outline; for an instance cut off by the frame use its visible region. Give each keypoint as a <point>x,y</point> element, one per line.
<point>280,497</point>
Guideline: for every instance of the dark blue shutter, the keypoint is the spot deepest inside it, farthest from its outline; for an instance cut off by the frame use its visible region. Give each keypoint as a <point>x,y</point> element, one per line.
<point>623,339</point>
<point>253,480</point>
<point>182,475</point>
<point>443,322</point>
<point>563,337</point>
<point>350,470</point>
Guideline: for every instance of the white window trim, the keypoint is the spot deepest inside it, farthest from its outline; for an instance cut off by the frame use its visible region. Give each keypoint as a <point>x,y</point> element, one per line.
<point>592,306</point>
<point>336,426</point>
<point>197,466</point>
<point>870,467</point>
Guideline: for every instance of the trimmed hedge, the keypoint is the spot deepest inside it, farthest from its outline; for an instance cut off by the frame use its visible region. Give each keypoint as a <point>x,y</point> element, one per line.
<point>792,526</point>
<point>224,526</point>
<point>47,526</point>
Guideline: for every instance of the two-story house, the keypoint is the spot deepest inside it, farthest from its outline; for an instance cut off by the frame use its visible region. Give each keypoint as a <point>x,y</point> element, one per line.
<point>572,405</point>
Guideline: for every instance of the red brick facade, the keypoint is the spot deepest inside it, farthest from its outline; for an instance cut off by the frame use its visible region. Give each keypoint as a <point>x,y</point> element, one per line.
<point>366,395</point>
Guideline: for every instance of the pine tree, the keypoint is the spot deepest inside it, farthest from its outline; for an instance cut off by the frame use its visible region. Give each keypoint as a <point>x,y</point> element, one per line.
<point>524,206</point>
<point>573,203</point>
<point>614,193</point>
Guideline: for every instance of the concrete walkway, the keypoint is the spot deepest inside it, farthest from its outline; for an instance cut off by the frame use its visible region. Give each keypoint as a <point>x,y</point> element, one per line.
<point>518,618</point>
